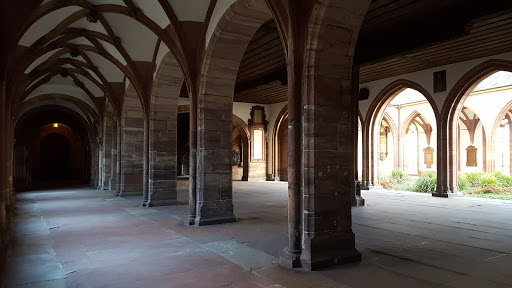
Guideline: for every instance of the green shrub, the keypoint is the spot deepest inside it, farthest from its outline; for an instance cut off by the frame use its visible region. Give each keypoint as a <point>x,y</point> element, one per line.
<point>426,183</point>
<point>463,182</point>
<point>397,174</point>
<point>503,180</point>
<point>473,178</point>
<point>488,180</point>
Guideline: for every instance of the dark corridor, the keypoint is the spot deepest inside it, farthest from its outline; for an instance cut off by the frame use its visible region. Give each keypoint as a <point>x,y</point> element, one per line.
<point>55,158</point>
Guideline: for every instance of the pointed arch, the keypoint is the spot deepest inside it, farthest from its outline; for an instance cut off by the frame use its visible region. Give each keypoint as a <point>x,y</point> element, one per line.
<point>163,130</point>
<point>243,130</point>
<point>221,61</point>
<point>282,119</point>
<point>504,113</point>
<point>375,113</point>
<point>453,104</point>
<point>394,133</point>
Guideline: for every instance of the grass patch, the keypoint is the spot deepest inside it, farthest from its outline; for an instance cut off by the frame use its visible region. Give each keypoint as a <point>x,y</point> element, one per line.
<point>502,196</point>
<point>426,183</point>
<point>404,186</point>
<point>488,190</point>
<point>478,185</point>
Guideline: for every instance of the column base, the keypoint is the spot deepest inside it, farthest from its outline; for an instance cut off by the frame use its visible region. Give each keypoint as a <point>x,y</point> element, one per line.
<point>440,194</point>
<point>129,193</point>
<point>159,203</point>
<point>358,201</point>
<point>444,191</point>
<point>191,221</point>
<point>289,258</point>
<point>331,258</point>
<point>204,221</point>
<point>366,187</point>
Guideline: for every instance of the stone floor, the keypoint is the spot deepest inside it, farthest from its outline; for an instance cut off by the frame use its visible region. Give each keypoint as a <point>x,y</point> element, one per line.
<point>87,238</point>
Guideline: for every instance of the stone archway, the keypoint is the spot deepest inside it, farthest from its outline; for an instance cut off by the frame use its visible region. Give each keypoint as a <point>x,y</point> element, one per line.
<point>375,113</point>
<point>447,137</point>
<point>471,121</point>
<point>394,134</point>
<point>422,126</point>
<point>163,113</point>
<point>132,139</point>
<point>243,132</point>
<point>280,146</point>
<point>505,113</point>
<point>213,202</point>
<point>329,127</point>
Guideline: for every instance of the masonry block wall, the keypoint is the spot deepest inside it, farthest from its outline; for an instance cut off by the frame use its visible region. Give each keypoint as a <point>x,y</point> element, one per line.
<point>107,153</point>
<point>163,134</point>
<point>132,148</point>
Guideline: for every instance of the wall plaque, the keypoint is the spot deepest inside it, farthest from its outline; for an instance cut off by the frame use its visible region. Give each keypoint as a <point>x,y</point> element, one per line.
<point>428,153</point>
<point>471,159</point>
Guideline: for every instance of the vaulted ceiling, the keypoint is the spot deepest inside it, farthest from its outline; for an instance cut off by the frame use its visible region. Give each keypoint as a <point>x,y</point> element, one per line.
<point>84,51</point>
<point>90,50</point>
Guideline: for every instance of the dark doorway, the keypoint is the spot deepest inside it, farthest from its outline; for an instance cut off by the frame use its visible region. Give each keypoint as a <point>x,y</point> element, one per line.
<point>55,158</point>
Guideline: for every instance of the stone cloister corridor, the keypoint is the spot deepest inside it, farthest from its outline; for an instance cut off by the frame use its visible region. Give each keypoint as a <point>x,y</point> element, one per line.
<point>244,143</point>
<point>79,237</point>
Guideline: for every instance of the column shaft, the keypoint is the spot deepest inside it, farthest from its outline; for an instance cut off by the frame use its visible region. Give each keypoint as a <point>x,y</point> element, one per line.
<point>192,198</point>
<point>290,257</point>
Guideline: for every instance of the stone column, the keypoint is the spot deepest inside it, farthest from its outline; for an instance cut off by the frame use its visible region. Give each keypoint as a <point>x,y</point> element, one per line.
<point>366,183</point>
<point>447,146</point>
<point>100,163</point>
<point>145,166</point>
<point>3,165</point>
<point>93,144</point>
<point>329,127</point>
<point>10,168</point>
<point>192,199</point>
<point>119,167</point>
<point>107,154</point>
<point>357,200</point>
<point>100,154</point>
<point>113,157</point>
<point>132,146</point>
<point>214,186</point>
<point>510,144</point>
<point>163,121</point>
<point>290,256</point>
<point>162,155</point>
<point>215,109</point>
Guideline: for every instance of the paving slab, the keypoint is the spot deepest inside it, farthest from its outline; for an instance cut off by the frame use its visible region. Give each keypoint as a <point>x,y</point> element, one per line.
<point>82,237</point>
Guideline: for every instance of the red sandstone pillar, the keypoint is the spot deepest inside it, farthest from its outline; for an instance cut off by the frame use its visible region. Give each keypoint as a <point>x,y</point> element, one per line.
<point>10,167</point>
<point>445,147</point>
<point>113,157</point>
<point>162,153</point>
<point>107,153</point>
<point>3,160</point>
<point>145,161</point>
<point>214,171</point>
<point>100,161</point>
<point>119,136</point>
<point>192,198</point>
<point>133,145</point>
<point>290,256</point>
<point>357,200</point>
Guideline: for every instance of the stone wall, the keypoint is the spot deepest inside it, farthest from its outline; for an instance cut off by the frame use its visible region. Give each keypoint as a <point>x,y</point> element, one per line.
<point>132,147</point>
